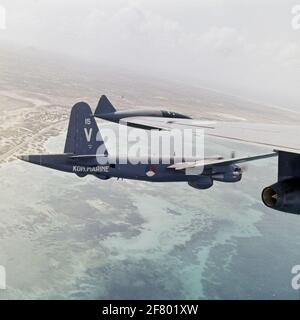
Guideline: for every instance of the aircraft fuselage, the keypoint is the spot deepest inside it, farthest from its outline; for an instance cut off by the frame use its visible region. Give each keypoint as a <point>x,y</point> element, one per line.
<point>136,171</point>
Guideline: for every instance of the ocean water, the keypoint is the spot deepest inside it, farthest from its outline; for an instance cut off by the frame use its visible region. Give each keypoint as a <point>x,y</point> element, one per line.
<point>62,237</point>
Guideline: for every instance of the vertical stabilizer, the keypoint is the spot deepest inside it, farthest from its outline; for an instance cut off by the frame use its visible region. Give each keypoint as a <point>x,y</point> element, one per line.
<point>104,106</point>
<point>83,136</point>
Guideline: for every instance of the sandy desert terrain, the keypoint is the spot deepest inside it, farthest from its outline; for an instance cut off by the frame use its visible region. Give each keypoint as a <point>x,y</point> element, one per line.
<point>37,92</point>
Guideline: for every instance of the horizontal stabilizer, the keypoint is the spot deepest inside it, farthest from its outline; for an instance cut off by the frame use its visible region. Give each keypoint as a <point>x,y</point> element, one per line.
<point>87,156</point>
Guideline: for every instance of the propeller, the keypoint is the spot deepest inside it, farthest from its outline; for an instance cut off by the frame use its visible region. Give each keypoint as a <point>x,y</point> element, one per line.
<point>243,167</point>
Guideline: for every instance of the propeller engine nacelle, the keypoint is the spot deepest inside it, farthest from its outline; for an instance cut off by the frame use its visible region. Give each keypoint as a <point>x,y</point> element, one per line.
<point>231,174</point>
<point>283,196</point>
<point>202,183</point>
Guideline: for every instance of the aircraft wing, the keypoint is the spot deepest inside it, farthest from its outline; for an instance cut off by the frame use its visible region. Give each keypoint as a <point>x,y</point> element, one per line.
<point>225,162</point>
<point>166,123</point>
<point>283,195</point>
<point>275,136</point>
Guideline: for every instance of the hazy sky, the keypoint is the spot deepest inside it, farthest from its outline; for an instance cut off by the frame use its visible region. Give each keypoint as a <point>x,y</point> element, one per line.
<point>245,47</point>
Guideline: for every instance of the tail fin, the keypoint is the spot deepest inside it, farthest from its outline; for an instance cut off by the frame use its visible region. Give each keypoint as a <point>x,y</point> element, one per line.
<point>104,106</point>
<point>83,136</point>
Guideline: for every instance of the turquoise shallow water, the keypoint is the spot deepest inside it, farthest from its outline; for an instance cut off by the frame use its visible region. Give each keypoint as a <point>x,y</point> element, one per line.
<point>71,238</point>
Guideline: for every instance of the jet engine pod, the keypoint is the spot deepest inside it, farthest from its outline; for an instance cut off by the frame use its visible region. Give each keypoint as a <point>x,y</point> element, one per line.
<point>202,183</point>
<point>283,196</point>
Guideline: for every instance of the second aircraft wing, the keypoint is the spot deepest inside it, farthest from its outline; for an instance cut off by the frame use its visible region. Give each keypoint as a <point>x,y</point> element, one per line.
<point>276,136</point>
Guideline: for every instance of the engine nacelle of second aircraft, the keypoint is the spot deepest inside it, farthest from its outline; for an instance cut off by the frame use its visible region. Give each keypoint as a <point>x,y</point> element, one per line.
<point>202,183</point>
<point>283,196</point>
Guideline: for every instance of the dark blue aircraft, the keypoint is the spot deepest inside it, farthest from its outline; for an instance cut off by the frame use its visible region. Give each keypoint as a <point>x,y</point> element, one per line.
<point>284,195</point>
<point>106,111</point>
<point>85,154</point>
